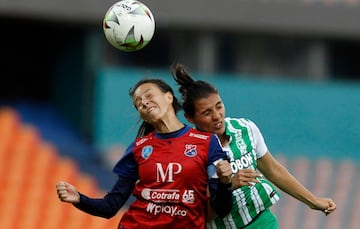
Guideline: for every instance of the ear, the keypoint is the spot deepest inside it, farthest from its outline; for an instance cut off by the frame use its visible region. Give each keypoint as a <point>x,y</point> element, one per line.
<point>191,120</point>
<point>169,96</point>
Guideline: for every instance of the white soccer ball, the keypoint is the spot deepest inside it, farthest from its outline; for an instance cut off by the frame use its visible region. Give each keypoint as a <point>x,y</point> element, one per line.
<point>129,25</point>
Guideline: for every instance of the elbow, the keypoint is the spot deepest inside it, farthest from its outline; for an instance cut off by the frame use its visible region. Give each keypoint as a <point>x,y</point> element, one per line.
<point>107,215</point>
<point>110,213</point>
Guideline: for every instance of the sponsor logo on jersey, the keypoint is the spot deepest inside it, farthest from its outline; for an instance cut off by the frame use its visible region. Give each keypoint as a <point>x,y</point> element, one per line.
<point>168,174</point>
<point>190,150</point>
<point>188,197</point>
<point>146,151</point>
<point>168,195</point>
<point>161,195</point>
<point>141,141</point>
<point>201,136</point>
<point>245,161</point>
<point>172,210</point>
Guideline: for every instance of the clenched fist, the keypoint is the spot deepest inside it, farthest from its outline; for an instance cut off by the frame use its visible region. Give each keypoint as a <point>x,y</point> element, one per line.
<point>67,192</point>
<point>224,172</point>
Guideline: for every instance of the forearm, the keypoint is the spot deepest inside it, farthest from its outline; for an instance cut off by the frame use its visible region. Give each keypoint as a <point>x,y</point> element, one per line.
<point>111,203</point>
<point>105,208</point>
<point>285,181</point>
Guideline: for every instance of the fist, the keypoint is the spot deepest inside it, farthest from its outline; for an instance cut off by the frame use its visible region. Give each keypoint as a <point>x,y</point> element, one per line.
<point>67,192</point>
<point>224,172</point>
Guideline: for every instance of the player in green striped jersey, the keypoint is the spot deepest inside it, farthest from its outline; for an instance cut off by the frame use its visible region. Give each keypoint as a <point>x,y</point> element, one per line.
<point>248,153</point>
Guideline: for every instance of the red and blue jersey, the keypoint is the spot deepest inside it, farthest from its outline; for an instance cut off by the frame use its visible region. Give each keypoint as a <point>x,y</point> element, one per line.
<point>172,172</point>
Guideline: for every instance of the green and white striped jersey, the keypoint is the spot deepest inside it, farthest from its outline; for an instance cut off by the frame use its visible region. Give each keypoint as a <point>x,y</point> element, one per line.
<point>246,145</point>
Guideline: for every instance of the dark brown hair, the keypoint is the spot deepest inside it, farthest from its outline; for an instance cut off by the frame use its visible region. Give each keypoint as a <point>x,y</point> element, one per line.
<point>191,90</point>
<point>146,127</point>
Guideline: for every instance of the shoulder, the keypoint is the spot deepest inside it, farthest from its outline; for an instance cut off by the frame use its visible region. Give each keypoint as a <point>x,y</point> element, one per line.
<point>142,140</point>
<point>193,133</point>
<point>239,122</point>
<point>241,119</point>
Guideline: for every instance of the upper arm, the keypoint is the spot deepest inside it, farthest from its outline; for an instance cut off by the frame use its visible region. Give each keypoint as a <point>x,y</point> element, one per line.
<point>127,165</point>
<point>268,166</point>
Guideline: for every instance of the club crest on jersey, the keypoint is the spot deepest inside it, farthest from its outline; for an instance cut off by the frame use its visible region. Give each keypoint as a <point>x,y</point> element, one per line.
<point>190,150</point>
<point>146,151</point>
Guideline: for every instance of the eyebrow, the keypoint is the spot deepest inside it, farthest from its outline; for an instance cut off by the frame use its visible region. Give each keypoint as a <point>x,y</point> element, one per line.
<point>139,97</point>
<point>208,109</point>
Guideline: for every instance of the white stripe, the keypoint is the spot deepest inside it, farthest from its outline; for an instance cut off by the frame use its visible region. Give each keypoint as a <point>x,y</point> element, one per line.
<point>255,196</point>
<point>243,210</point>
<point>269,189</point>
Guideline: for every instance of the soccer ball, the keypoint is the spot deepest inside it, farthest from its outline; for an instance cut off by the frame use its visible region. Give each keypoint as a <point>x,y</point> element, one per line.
<point>129,25</point>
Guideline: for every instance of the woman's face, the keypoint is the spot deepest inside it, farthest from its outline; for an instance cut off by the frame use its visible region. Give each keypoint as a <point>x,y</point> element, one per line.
<point>151,103</point>
<point>209,114</point>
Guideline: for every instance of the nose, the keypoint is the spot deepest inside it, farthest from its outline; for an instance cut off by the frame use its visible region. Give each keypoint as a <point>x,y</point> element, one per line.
<point>216,115</point>
<point>145,102</point>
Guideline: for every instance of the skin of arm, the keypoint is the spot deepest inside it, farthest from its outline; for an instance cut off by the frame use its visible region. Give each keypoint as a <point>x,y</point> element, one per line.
<point>281,177</point>
<point>244,177</point>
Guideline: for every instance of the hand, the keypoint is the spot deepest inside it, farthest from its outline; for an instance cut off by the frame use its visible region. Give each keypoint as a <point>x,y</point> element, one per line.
<point>326,205</point>
<point>224,172</point>
<point>245,177</point>
<point>67,192</point>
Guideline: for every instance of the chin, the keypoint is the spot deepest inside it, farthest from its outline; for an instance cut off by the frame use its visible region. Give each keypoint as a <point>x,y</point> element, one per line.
<point>219,132</point>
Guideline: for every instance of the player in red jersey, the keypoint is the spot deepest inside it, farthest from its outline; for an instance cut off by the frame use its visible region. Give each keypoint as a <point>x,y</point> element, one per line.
<point>167,168</point>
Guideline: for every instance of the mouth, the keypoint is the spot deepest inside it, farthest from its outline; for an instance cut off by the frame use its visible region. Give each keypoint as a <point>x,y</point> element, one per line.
<point>218,125</point>
<point>150,109</point>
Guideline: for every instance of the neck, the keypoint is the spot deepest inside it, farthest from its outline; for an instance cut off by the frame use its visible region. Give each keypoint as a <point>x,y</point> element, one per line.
<point>165,126</point>
<point>224,139</point>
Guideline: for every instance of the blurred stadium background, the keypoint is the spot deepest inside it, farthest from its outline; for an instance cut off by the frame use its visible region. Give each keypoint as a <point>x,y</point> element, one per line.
<point>292,66</point>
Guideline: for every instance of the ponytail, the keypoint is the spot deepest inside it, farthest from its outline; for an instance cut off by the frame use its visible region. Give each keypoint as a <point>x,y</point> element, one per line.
<point>191,90</point>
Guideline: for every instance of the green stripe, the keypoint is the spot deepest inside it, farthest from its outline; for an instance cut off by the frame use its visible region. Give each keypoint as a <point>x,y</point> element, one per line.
<point>234,149</point>
<point>219,223</point>
<point>245,137</point>
<point>235,213</point>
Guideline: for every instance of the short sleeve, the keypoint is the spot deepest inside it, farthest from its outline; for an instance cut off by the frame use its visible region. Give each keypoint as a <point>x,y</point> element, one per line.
<point>261,147</point>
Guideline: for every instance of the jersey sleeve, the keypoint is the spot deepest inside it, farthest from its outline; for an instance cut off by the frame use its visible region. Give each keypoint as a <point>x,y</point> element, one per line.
<point>109,205</point>
<point>127,165</point>
<point>261,147</point>
<point>216,154</point>
<point>220,193</point>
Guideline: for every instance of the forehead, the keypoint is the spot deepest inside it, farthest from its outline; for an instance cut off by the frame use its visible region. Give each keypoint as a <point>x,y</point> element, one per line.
<point>207,102</point>
<point>145,87</point>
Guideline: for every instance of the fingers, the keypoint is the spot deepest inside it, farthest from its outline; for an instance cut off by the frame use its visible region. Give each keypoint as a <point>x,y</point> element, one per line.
<point>331,208</point>
<point>327,211</point>
<point>67,193</point>
<point>61,190</point>
<point>245,177</point>
<point>249,175</point>
<point>224,172</point>
<point>223,168</point>
<point>326,205</point>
